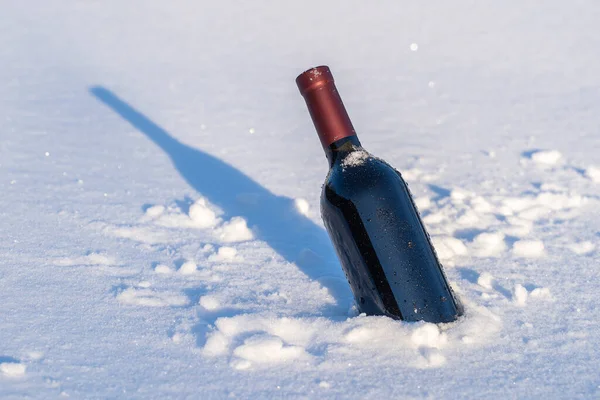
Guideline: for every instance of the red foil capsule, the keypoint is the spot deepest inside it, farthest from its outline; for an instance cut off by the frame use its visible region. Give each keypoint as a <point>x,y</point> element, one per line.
<point>325,105</point>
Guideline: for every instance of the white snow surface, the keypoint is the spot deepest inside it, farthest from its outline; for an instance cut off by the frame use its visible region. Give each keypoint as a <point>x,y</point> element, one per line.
<point>152,155</point>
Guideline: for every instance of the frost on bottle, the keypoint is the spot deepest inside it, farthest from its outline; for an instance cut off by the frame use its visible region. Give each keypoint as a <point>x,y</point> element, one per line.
<point>372,220</point>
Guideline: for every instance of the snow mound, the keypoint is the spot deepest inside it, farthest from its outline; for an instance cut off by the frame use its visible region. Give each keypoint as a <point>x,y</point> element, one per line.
<point>12,369</point>
<point>235,230</point>
<point>545,157</point>
<point>202,215</point>
<point>188,268</point>
<point>302,206</point>
<point>225,253</point>
<point>593,173</point>
<point>528,248</point>
<point>581,248</point>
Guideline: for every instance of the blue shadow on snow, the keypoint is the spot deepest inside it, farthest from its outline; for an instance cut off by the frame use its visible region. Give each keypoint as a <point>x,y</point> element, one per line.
<point>274,218</point>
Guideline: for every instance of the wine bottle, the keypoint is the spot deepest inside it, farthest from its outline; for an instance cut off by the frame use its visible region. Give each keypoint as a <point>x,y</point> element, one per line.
<point>370,216</point>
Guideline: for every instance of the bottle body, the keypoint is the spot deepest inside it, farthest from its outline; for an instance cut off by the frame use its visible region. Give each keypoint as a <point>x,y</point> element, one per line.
<point>380,240</point>
<point>372,220</point>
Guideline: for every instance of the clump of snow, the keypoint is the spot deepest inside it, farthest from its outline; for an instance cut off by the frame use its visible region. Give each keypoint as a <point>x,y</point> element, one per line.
<point>489,244</point>
<point>163,269</point>
<point>580,248</point>
<point>411,174</point>
<point>481,205</point>
<point>517,226</point>
<point>12,369</point>
<point>216,344</point>
<point>414,47</point>
<point>593,173</point>
<point>423,203</point>
<point>324,384</point>
<point>302,206</point>
<point>546,157</point>
<point>433,357</point>
<point>459,194</point>
<point>155,211</point>
<point>520,295</point>
<point>266,350</point>
<point>210,303</point>
<point>448,247</point>
<point>224,253</point>
<point>207,248</point>
<point>558,201</point>
<point>355,158</point>
<point>235,230</point>
<point>429,335</point>
<point>486,280</point>
<point>528,248</point>
<point>540,293</point>
<point>202,215</point>
<point>188,268</point>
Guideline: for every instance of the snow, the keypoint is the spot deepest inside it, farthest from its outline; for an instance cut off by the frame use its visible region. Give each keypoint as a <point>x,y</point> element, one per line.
<point>160,185</point>
<point>528,248</point>
<point>12,369</point>
<point>593,173</point>
<point>355,158</point>
<point>545,157</point>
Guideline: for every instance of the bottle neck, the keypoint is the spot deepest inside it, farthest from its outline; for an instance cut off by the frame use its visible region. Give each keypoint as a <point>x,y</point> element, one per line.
<point>340,148</point>
<point>325,106</point>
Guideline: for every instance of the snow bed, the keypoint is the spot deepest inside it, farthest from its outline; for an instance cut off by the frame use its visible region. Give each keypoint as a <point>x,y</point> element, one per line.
<point>160,180</point>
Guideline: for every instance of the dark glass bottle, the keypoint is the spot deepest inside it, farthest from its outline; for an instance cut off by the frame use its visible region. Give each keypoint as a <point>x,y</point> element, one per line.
<point>372,220</point>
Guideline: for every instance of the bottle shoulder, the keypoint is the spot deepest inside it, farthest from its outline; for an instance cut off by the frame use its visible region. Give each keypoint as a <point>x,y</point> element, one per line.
<point>360,172</point>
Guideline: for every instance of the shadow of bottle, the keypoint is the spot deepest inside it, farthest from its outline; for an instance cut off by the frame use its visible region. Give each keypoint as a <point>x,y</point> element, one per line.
<point>274,218</point>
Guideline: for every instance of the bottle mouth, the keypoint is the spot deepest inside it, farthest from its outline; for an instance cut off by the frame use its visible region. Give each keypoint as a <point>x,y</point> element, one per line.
<point>314,78</point>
